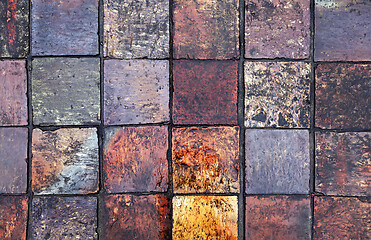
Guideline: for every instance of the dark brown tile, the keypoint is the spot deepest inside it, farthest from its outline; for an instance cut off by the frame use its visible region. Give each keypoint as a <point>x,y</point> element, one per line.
<point>13,217</point>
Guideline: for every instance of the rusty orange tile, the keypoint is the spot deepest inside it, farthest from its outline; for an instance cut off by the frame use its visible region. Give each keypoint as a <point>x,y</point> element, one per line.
<point>13,217</point>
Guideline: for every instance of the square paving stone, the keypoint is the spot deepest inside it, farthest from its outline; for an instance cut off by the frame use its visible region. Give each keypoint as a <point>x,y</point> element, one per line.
<point>343,164</point>
<point>205,92</point>
<point>342,218</point>
<point>342,30</point>
<point>136,217</point>
<point>14,27</point>
<point>277,94</point>
<point>65,27</point>
<point>205,160</point>
<point>13,157</point>
<point>205,217</point>
<point>206,29</point>
<point>136,29</point>
<point>277,29</point>
<point>65,161</point>
<point>136,91</point>
<point>343,96</point>
<point>135,159</point>
<point>13,217</point>
<point>278,217</point>
<point>13,89</point>
<point>64,218</point>
<point>65,91</point>
<point>277,161</point>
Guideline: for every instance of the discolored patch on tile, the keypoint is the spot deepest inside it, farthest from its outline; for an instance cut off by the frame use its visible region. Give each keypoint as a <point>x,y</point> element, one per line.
<point>13,89</point>
<point>13,157</point>
<point>277,94</point>
<point>277,161</point>
<point>65,161</point>
<point>135,159</point>
<point>14,28</point>
<point>65,27</point>
<point>205,217</point>
<point>136,91</point>
<point>205,160</point>
<point>278,217</point>
<point>343,165</point>
<point>205,92</point>
<point>206,29</point>
<point>64,218</point>
<point>13,217</point>
<point>136,217</point>
<point>342,30</point>
<point>277,29</point>
<point>342,218</point>
<point>136,29</point>
<point>343,96</point>
<point>65,91</point>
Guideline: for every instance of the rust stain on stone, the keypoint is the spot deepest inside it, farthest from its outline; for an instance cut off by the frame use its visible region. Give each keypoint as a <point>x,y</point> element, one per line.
<point>11,15</point>
<point>13,217</point>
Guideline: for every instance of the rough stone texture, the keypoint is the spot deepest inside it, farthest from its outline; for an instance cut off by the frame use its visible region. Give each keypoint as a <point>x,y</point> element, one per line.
<point>205,160</point>
<point>136,91</point>
<point>136,29</point>
<point>205,217</point>
<point>65,161</point>
<point>277,29</point>
<point>277,94</point>
<point>13,157</point>
<point>65,27</point>
<point>277,161</point>
<point>14,28</point>
<point>135,159</point>
<point>64,218</point>
<point>342,218</point>
<point>65,91</point>
<point>136,217</point>
<point>205,92</point>
<point>13,88</point>
<point>343,165</point>
<point>278,217</point>
<point>13,217</point>
<point>206,29</point>
<point>342,30</point>
<point>343,96</point>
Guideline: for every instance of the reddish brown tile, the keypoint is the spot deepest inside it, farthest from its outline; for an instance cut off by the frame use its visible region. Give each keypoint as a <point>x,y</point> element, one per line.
<point>13,217</point>
<point>343,96</point>
<point>206,29</point>
<point>205,159</point>
<point>205,92</point>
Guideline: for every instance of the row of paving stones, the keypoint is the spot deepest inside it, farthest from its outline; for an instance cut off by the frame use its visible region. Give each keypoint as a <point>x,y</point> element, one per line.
<point>201,29</point>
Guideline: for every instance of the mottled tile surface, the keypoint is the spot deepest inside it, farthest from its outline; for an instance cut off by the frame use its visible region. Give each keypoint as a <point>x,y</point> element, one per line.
<point>14,28</point>
<point>65,161</point>
<point>342,30</point>
<point>13,217</point>
<point>65,91</point>
<point>64,218</point>
<point>343,165</point>
<point>341,218</point>
<point>136,217</point>
<point>205,217</point>
<point>277,29</point>
<point>205,92</point>
<point>277,94</point>
<point>136,91</point>
<point>205,159</point>
<point>13,157</point>
<point>136,29</point>
<point>343,96</point>
<point>135,159</point>
<point>277,161</point>
<point>65,27</point>
<point>13,88</point>
<point>205,29</point>
<point>278,217</point>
